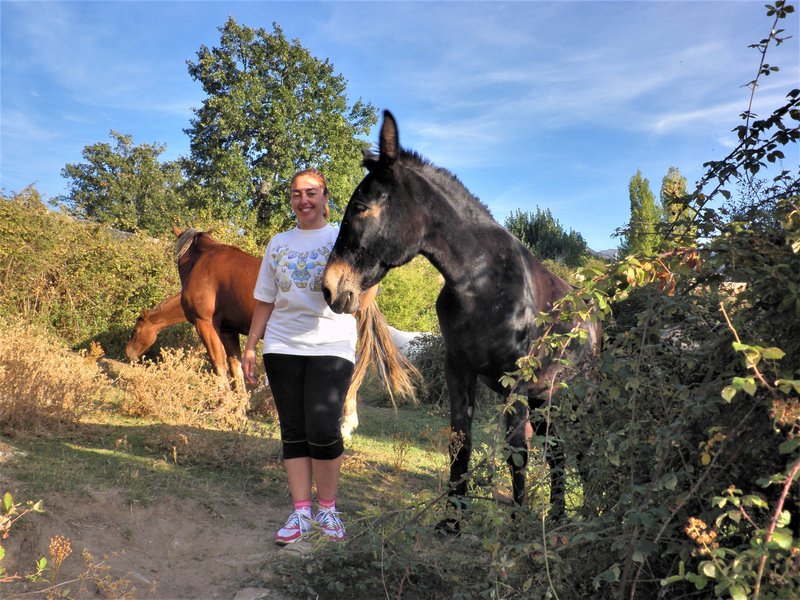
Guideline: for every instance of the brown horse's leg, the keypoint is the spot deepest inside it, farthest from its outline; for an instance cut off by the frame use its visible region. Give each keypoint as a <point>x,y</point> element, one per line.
<point>230,341</point>
<point>216,351</point>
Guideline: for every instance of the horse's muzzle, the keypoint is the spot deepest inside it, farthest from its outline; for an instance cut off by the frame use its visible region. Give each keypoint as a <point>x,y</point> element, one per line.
<point>339,288</point>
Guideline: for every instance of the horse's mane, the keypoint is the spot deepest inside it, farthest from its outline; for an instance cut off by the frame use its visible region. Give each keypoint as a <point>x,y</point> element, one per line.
<point>186,239</point>
<point>459,191</point>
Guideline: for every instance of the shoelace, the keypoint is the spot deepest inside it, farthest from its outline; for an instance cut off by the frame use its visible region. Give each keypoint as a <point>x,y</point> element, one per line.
<point>295,520</point>
<point>329,518</point>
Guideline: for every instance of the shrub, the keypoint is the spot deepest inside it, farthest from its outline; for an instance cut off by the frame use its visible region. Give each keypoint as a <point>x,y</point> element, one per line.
<point>180,389</point>
<point>44,386</point>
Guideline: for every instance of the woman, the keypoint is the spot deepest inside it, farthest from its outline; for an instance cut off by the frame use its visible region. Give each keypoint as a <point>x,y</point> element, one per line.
<point>309,353</point>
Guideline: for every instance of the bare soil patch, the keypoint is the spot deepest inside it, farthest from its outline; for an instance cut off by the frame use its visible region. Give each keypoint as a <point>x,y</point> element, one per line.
<point>175,548</point>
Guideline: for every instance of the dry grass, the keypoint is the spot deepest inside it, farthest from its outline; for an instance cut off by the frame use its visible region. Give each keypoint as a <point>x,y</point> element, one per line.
<point>179,389</point>
<point>44,386</point>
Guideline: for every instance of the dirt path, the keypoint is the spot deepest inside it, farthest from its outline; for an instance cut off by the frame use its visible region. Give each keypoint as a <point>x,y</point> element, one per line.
<point>172,549</point>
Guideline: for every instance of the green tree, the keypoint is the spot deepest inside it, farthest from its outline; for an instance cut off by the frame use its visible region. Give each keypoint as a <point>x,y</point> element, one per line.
<point>546,238</point>
<point>678,216</point>
<point>643,231</point>
<point>272,109</point>
<point>124,186</point>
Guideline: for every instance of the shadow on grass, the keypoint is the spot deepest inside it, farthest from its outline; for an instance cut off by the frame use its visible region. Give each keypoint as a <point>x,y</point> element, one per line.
<point>388,458</point>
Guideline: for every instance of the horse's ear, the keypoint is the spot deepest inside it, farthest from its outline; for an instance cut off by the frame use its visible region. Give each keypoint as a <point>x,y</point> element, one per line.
<point>389,141</point>
<point>176,231</point>
<point>368,158</point>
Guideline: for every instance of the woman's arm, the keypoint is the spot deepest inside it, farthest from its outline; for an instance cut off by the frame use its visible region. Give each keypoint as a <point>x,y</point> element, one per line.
<point>261,315</point>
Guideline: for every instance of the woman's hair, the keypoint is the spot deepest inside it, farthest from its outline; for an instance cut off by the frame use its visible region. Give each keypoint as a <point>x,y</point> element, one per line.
<point>315,174</point>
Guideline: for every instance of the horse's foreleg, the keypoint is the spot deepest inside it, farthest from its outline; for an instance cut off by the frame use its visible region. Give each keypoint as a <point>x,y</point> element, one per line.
<point>554,455</point>
<point>516,439</point>
<point>216,351</point>
<point>461,389</point>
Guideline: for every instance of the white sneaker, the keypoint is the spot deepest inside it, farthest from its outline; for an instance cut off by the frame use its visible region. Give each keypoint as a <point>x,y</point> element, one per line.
<point>297,526</point>
<point>330,524</point>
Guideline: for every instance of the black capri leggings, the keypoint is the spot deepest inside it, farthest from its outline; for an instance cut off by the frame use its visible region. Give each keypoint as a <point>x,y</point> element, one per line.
<point>309,394</point>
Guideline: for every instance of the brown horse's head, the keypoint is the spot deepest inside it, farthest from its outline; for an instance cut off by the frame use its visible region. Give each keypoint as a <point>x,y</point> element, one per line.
<point>143,336</point>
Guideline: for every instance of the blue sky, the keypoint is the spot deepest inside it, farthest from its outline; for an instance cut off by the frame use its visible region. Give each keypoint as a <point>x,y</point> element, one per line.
<point>549,104</point>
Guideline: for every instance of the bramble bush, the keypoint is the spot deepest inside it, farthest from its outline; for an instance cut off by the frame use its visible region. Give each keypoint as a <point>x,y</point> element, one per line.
<point>682,440</point>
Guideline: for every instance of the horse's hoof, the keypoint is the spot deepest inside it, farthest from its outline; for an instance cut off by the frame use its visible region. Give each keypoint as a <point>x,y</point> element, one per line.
<point>449,526</point>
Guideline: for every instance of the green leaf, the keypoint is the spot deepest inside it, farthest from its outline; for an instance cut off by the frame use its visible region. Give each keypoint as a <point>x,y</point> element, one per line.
<point>8,502</point>
<point>737,592</point>
<point>699,581</point>
<point>786,385</point>
<point>789,446</point>
<point>782,537</point>
<point>773,353</point>
<point>709,569</point>
<point>728,393</point>
<point>747,384</point>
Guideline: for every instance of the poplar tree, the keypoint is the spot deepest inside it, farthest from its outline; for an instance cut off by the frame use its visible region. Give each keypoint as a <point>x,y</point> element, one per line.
<point>643,234</point>
<point>678,215</point>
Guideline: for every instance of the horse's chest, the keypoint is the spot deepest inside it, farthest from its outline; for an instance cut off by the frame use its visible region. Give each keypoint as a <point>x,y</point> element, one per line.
<point>489,333</point>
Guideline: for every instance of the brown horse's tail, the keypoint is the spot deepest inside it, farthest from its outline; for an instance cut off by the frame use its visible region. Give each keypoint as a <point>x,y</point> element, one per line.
<point>376,347</point>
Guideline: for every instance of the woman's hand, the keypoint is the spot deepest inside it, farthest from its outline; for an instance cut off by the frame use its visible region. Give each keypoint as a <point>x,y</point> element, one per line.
<point>249,365</point>
<point>366,297</point>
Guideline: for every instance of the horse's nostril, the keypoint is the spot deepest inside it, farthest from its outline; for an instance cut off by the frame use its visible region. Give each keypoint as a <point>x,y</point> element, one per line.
<point>326,293</point>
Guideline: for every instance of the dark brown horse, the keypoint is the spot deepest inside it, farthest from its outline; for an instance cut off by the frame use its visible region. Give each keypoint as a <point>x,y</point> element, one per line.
<point>494,290</point>
<point>217,283</point>
<point>150,322</point>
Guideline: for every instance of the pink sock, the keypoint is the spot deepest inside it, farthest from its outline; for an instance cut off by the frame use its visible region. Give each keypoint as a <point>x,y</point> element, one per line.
<point>303,506</point>
<point>327,504</point>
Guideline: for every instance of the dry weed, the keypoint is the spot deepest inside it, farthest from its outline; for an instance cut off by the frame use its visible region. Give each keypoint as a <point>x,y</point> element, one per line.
<point>44,386</point>
<point>179,389</point>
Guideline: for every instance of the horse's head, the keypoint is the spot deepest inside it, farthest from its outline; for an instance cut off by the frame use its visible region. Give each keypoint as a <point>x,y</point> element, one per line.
<point>143,336</point>
<point>381,228</point>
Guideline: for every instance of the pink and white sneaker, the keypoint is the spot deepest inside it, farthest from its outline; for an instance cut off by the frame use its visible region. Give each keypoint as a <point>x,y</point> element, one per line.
<point>297,526</point>
<point>330,524</point>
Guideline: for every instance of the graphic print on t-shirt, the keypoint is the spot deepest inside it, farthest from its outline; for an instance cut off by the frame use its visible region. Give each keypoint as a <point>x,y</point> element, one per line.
<point>300,269</point>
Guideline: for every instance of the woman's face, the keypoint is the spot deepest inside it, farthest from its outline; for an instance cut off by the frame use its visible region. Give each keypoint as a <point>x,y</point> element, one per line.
<point>308,202</point>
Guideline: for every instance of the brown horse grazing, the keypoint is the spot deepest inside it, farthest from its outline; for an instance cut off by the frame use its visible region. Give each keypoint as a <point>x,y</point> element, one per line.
<point>217,282</point>
<point>150,322</point>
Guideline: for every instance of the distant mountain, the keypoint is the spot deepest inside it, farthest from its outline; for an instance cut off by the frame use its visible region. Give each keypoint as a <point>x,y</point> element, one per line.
<point>611,254</point>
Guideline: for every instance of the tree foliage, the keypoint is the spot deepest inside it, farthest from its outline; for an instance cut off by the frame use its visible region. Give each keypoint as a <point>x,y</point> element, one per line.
<point>678,217</point>
<point>546,238</point>
<point>272,108</point>
<point>79,280</point>
<point>125,186</point>
<point>643,233</point>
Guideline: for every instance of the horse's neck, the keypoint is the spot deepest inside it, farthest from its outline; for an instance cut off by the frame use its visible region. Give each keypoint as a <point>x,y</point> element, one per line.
<point>167,312</point>
<point>455,240</point>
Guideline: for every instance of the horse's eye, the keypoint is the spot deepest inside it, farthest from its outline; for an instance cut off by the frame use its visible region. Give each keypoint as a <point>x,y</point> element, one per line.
<point>360,208</point>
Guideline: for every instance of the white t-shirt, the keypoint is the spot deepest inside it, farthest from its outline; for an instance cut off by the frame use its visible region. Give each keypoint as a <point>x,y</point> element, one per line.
<point>291,277</point>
